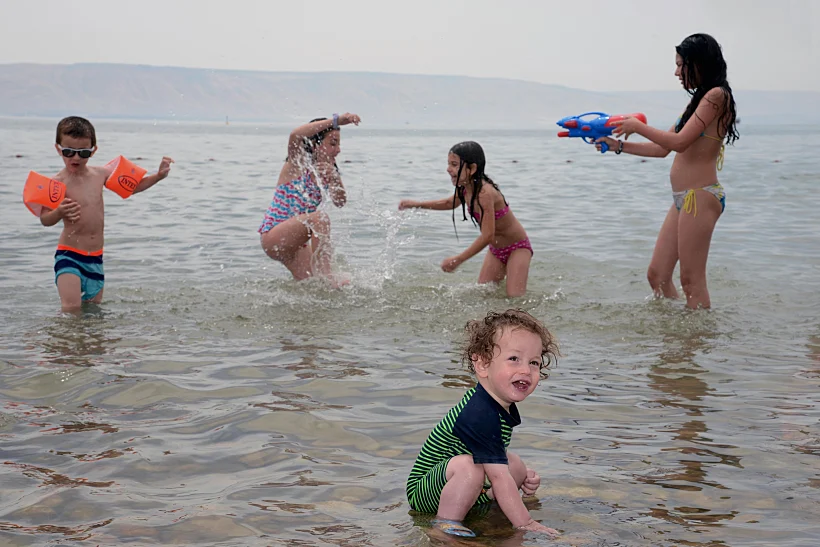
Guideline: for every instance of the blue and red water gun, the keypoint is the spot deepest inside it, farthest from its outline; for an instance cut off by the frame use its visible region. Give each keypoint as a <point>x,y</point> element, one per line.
<point>600,126</point>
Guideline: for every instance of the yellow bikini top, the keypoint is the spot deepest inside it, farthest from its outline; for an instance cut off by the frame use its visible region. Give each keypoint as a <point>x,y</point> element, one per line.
<point>722,149</point>
<point>722,146</point>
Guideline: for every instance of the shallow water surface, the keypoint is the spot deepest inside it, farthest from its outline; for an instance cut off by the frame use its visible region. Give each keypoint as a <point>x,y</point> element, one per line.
<point>210,400</point>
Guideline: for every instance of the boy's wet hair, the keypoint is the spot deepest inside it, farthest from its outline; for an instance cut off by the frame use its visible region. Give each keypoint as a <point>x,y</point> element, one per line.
<point>77,127</point>
<point>705,69</point>
<point>483,335</point>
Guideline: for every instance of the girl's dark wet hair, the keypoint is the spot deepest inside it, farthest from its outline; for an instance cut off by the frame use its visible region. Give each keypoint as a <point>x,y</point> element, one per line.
<point>313,141</point>
<point>471,153</point>
<point>310,143</point>
<point>704,69</point>
<point>482,337</point>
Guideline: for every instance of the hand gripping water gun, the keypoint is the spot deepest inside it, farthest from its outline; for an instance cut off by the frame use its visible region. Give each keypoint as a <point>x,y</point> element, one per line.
<point>600,126</point>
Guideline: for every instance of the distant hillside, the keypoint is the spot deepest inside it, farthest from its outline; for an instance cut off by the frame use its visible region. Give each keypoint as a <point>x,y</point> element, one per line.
<point>383,100</point>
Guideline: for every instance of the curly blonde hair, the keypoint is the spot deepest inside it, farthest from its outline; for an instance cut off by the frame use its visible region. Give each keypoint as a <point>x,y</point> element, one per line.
<point>481,339</point>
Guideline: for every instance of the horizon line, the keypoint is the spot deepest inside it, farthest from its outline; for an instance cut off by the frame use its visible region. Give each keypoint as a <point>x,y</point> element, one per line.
<point>370,72</point>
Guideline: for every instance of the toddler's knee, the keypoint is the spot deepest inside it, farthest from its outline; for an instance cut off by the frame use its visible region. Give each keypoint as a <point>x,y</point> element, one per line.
<point>467,471</point>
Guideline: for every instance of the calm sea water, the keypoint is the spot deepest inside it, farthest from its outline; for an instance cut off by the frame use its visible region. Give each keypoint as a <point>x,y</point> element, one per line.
<point>210,400</point>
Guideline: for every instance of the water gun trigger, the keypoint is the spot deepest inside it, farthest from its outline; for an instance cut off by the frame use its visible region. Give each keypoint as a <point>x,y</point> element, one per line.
<point>590,140</point>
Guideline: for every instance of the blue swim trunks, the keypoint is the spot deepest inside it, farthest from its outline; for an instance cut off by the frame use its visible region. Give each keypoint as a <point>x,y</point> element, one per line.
<point>88,266</point>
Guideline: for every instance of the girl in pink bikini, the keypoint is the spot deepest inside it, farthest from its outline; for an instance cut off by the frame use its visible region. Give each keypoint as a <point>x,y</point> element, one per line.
<point>510,251</point>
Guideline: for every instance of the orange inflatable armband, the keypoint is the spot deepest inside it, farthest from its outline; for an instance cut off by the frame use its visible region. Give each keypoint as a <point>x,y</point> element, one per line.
<point>124,177</point>
<point>41,191</point>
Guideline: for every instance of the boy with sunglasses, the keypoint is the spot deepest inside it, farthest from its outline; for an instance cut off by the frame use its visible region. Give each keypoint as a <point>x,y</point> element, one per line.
<point>78,262</point>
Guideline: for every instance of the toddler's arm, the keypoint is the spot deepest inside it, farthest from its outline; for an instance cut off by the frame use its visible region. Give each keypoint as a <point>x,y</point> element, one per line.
<point>506,494</point>
<point>531,483</point>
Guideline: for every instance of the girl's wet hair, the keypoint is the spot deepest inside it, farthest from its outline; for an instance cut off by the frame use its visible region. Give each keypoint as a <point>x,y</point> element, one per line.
<point>315,140</point>
<point>310,143</point>
<point>704,69</point>
<point>482,337</point>
<point>470,152</point>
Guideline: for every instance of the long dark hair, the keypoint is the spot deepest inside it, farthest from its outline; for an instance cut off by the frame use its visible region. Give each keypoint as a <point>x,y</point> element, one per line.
<point>704,69</point>
<point>310,143</point>
<point>470,152</point>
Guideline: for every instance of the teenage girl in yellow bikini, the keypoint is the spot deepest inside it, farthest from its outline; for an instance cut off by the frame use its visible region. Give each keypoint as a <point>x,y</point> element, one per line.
<point>698,197</point>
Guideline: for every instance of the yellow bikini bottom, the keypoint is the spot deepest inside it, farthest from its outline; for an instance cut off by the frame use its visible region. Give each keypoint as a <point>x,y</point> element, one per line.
<point>687,201</point>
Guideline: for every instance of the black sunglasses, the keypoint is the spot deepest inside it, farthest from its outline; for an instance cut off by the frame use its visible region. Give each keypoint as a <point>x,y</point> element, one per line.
<point>84,153</point>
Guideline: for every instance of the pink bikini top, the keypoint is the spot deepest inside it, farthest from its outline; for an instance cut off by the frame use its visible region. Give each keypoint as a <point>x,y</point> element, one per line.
<point>498,214</point>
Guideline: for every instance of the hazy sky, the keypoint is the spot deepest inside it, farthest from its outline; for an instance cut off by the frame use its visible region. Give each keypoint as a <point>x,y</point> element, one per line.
<point>590,44</point>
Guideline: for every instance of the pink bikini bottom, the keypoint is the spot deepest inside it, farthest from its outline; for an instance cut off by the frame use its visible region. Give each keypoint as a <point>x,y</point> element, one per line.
<point>504,254</point>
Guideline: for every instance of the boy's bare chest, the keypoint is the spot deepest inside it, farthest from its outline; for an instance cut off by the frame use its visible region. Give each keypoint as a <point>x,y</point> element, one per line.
<point>86,192</point>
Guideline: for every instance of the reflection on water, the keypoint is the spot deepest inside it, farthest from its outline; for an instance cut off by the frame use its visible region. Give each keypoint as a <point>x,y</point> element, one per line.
<point>75,341</point>
<point>50,478</point>
<point>305,440</point>
<point>814,347</point>
<point>77,533</point>
<point>684,464</point>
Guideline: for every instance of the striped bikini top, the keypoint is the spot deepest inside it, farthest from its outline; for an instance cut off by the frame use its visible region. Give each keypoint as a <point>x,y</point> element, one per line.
<point>292,198</point>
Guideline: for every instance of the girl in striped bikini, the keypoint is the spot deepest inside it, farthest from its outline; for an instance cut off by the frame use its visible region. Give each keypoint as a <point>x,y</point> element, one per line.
<point>294,231</point>
<point>510,251</point>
